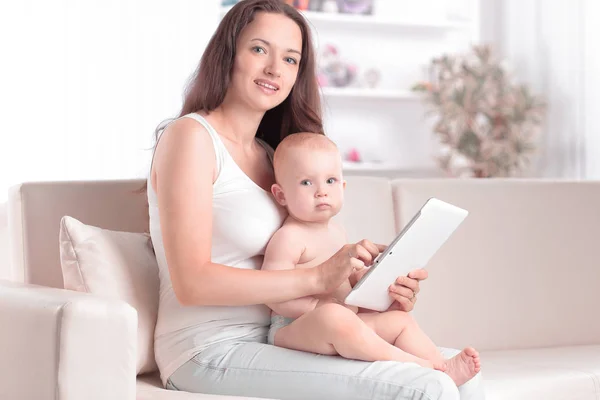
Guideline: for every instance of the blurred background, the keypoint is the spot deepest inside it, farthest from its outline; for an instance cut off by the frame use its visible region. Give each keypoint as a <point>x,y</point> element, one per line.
<point>429,88</point>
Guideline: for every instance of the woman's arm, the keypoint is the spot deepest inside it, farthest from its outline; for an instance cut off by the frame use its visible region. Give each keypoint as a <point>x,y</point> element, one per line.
<point>283,253</point>
<point>183,174</point>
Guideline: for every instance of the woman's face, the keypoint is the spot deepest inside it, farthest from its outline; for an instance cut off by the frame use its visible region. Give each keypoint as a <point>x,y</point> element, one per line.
<point>267,59</point>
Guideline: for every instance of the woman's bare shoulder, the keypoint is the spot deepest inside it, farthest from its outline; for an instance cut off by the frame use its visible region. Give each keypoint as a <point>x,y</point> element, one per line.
<point>184,130</point>
<point>185,143</point>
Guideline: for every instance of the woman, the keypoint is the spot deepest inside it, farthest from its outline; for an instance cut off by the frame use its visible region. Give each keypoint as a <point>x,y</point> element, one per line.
<point>211,216</point>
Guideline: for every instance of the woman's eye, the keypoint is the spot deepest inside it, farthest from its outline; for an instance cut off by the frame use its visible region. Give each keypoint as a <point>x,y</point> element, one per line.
<point>258,49</point>
<point>331,181</point>
<point>291,60</point>
<point>306,182</point>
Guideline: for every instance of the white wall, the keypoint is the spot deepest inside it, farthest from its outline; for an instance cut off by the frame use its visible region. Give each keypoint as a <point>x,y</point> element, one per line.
<point>85,82</point>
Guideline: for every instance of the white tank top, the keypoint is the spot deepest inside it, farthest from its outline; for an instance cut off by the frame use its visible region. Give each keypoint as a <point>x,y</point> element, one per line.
<point>244,218</point>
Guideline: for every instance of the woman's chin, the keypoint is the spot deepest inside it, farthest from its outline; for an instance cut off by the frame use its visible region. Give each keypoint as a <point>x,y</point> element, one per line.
<point>266,103</point>
<point>264,106</point>
<point>269,105</point>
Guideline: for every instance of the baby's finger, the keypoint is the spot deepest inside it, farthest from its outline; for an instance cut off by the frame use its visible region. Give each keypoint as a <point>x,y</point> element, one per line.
<point>381,247</point>
<point>361,273</point>
<point>370,247</point>
<point>357,264</point>
<point>362,254</point>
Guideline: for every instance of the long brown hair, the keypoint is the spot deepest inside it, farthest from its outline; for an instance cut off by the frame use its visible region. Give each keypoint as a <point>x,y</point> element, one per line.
<point>299,112</point>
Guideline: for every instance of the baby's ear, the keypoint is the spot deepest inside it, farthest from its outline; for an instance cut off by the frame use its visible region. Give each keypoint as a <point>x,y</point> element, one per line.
<point>344,184</point>
<point>278,194</point>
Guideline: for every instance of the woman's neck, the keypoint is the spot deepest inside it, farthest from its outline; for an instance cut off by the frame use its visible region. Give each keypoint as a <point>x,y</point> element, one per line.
<point>238,123</point>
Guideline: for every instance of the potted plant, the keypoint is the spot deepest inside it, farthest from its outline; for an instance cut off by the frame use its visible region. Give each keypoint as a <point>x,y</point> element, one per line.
<point>487,126</point>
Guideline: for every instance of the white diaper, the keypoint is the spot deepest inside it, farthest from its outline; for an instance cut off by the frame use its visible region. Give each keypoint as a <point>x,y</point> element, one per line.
<point>277,322</point>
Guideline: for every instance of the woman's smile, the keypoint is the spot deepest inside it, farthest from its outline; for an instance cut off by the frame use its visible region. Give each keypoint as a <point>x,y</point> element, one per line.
<point>268,87</point>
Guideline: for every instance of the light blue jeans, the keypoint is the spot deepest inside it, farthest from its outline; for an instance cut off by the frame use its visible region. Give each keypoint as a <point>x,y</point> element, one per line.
<point>262,370</point>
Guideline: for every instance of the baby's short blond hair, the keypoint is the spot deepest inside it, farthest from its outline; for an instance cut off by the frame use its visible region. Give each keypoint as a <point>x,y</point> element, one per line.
<point>304,140</point>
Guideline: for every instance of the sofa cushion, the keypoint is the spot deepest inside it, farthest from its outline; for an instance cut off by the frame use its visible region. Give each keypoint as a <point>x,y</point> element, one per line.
<point>551,373</point>
<point>119,265</point>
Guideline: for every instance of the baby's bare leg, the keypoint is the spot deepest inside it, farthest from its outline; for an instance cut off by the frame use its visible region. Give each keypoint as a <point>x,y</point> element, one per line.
<point>400,329</point>
<point>333,329</point>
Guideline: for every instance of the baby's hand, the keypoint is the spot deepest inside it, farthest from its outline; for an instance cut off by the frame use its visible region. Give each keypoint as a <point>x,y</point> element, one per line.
<point>335,271</point>
<point>357,275</point>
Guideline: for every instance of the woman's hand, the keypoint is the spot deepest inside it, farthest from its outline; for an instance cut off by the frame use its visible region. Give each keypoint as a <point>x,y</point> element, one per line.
<point>405,289</point>
<point>351,257</point>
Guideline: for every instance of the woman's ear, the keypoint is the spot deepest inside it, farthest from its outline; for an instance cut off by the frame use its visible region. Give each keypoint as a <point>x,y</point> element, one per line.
<point>278,194</point>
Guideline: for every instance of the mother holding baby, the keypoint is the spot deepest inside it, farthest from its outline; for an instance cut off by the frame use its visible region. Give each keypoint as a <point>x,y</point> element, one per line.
<point>212,215</point>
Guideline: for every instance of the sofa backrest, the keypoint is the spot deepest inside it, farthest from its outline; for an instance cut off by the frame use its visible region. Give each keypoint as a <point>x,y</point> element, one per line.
<point>35,211</point>
<point>523,270</point>
<point>4,259</point>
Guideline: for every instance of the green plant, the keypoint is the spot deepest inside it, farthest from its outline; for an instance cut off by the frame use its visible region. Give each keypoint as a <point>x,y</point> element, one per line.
<point>487,126</point>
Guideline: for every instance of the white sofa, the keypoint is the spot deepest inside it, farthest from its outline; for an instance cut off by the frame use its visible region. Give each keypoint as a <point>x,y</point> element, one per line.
<point>519,280</point>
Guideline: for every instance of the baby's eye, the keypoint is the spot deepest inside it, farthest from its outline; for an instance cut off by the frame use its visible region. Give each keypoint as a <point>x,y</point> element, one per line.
<point>291,60</point>
<point>306,182</point>
<point>258,49</point>
<point>331,181</point>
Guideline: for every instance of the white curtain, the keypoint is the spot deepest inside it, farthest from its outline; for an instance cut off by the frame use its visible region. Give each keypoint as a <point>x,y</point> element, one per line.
<point>552,45</point>
<point>592,88</point>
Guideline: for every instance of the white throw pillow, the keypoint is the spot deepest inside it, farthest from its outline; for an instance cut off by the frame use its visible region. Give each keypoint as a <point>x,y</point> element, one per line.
<point>119,265</point>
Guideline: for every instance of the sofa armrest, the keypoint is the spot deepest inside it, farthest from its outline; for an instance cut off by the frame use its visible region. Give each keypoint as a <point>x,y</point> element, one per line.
<point>65,345</point>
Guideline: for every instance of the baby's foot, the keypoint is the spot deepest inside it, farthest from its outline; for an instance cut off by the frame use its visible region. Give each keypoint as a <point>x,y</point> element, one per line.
<point>463,366</point>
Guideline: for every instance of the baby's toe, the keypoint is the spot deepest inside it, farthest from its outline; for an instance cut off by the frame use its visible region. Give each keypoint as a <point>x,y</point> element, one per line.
<point>440,366</point>
<point>471,352</point>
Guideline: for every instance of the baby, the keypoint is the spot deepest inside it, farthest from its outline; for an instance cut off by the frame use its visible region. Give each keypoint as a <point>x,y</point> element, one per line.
<point>308,172</point>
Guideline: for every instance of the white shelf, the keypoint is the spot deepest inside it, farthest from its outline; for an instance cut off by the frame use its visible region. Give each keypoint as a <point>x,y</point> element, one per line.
<point>390,170</point>
<point>377,21</point>
<point>372,21</point>
<point>365,93</point>
<point>366,166</point>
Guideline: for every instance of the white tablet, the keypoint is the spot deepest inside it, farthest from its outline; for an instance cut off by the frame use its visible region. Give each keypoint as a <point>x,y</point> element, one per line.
<point>411,249</point>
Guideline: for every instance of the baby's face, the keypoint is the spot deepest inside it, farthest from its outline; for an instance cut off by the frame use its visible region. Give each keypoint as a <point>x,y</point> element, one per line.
<point>311,183</point>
